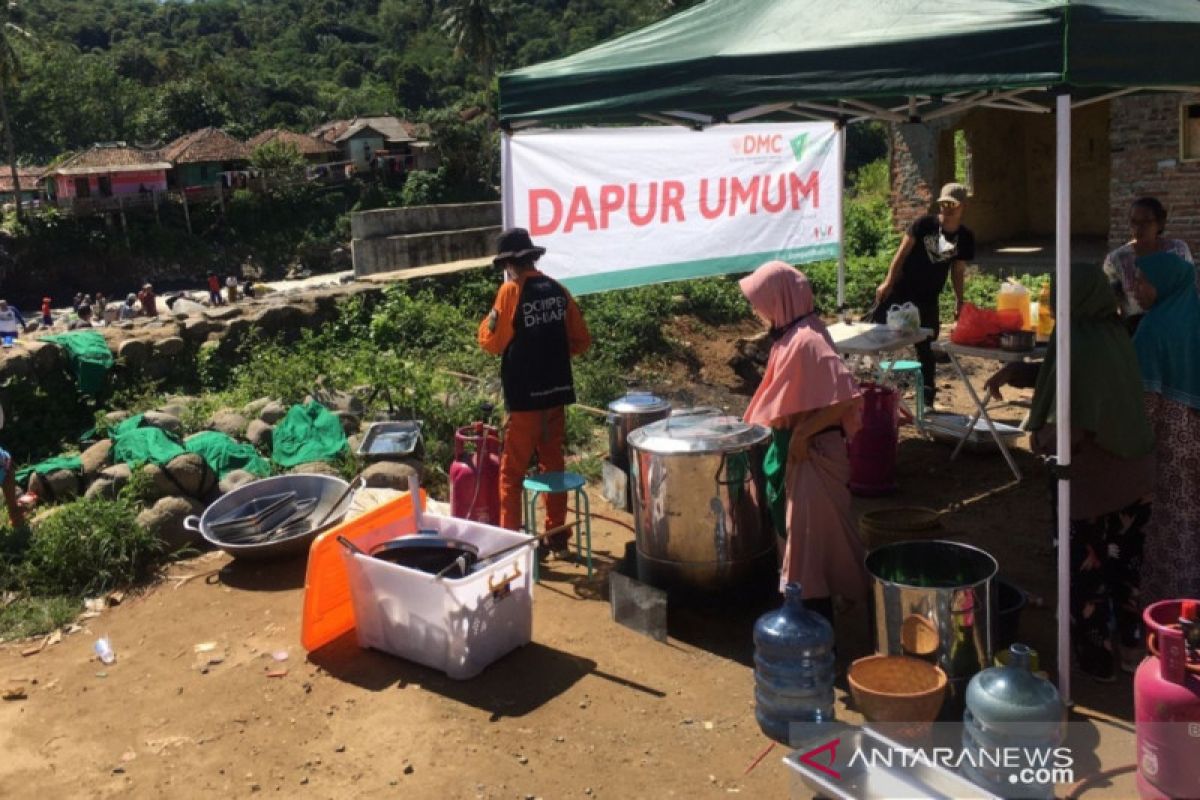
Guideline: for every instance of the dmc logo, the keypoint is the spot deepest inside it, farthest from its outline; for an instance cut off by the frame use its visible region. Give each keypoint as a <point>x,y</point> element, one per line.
<point>754,144</point>
<point>798,144</point>
<point>831,746</point>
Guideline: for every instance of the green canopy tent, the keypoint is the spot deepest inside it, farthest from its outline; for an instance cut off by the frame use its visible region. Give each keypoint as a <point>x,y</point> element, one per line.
<point>905,61</point>
<point>728,60</point>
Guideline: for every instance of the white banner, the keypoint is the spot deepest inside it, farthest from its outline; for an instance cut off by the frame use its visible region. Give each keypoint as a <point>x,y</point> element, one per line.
<point>618,207</point>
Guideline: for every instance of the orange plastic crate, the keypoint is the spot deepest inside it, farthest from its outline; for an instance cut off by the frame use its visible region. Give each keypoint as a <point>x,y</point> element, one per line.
<point>328,607</point>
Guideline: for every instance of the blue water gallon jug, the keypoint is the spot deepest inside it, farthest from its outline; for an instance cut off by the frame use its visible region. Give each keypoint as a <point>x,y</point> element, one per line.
<point>1013,722</point>
<point>793,667</point>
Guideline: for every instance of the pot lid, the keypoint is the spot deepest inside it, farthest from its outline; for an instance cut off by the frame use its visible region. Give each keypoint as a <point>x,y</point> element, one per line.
<point>639,403</point>
<point>701,433</point>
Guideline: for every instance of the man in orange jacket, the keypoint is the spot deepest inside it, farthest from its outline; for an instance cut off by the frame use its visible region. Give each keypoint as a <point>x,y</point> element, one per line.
<point>536,327</point>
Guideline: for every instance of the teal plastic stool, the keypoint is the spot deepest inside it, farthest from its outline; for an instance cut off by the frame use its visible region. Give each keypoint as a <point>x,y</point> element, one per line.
<point>560,483</point>
<point>909,371</point>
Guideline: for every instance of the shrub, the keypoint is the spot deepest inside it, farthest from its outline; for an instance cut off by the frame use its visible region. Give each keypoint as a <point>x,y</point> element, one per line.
<point>717,301</point>
<point>90,546</point>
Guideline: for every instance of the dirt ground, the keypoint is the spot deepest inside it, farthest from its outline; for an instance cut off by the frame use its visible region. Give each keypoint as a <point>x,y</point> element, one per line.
<point>589,709</point>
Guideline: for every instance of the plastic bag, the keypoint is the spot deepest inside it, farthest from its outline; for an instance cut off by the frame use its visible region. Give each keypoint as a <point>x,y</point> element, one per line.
<point>904,318</point>
<point>981,327</point>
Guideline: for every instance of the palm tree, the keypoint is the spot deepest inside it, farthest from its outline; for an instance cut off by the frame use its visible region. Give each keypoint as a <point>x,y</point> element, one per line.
<point>10,74</point>
<point>476,29</point>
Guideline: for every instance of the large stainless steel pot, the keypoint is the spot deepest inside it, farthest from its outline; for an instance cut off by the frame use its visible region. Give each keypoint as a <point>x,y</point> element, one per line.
<point>699,505</point>
<point>934,599</point>
<point>627,414</point>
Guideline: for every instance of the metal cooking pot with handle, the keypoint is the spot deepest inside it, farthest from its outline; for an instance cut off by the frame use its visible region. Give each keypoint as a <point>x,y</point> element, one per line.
<point>699,502</point>
<point>627,414</point>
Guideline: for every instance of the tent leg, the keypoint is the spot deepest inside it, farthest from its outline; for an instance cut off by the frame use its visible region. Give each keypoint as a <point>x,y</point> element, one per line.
<point>841,217</point>
<point>1063,379</point>
<point>506,179</point>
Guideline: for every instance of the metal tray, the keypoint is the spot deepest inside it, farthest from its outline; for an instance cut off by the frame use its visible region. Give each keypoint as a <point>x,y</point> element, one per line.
<point>949,428</point>
<point>253,513</point>
<point>387,440</point>
<point>868,777</point>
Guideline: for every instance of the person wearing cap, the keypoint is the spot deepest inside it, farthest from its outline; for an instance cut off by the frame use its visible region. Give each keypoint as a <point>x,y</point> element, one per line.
<point>47,314</point>
<point>934,247</point>
<point>536,328</point>
<point>148,299</point>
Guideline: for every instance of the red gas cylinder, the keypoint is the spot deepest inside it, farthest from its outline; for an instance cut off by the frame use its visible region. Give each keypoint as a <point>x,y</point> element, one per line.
<point>1166,696</point>
<point>475,474</point>
<point>873,448</point>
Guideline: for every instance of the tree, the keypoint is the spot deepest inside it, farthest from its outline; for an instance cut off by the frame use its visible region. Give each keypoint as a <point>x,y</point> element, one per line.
<point>280,164</point>
<point>10,76</point>
<point>475,27</point>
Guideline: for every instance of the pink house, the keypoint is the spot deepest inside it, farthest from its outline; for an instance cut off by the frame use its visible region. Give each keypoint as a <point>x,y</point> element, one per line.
<point>109,170</point>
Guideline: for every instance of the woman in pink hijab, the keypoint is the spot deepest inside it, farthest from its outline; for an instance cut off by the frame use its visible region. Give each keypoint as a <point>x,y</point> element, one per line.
<point>811,402</point>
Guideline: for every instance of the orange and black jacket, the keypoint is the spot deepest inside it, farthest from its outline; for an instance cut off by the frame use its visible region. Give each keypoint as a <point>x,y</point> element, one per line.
<point>536,327</point>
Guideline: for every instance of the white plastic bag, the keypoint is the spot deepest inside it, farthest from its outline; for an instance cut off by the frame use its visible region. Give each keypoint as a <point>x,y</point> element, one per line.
<point>904,318</point>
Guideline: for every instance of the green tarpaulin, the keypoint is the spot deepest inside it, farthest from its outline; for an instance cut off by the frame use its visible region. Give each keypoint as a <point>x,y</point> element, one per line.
<point>223,454</point>
<point>71,463</point>
<point>724,56</point>
<point>88,355</point>
<point>308,433</point>
<point>135,444</point>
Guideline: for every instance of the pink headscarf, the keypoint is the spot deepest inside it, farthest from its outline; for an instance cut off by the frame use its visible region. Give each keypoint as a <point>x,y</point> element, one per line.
<point>804,371</point>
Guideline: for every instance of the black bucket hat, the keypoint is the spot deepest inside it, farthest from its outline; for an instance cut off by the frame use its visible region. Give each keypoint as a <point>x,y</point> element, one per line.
<point>515,243</point>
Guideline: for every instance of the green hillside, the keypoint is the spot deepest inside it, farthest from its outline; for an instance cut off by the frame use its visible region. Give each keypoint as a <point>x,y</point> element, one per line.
<point>138,70</point>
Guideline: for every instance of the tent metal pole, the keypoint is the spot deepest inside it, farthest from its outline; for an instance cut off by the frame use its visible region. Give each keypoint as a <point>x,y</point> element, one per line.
<point>1062,352</point>
<point>506,179</point>
<point>758,111</point>
<point>841,217</point>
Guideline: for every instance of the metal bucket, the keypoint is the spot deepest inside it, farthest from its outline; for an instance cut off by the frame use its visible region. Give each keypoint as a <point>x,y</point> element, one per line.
<point>699,502</point>
<point>934,600</point>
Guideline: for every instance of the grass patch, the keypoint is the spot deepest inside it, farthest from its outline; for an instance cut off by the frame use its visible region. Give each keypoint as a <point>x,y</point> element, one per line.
<point>32,616</point>
<point>87,547</point>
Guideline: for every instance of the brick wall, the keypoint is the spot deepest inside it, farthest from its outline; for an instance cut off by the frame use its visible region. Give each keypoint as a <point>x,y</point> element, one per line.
<point>1144,137</point>
<point>914,169</point>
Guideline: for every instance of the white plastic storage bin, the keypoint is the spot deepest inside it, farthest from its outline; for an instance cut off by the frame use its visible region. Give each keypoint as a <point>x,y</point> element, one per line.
<point>456,625</point>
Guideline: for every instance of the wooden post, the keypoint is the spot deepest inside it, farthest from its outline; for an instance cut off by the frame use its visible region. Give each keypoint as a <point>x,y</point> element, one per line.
<point>187,217</point>
<point>154,198</point>
<point>221,198</point>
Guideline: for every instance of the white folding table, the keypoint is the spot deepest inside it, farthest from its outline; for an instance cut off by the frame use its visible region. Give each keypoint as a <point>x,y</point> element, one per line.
<point>872,339</point>
<point>954,351</point>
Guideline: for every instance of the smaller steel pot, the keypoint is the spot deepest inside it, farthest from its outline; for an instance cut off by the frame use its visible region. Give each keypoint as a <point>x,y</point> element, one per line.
<point>627,414</point>
<point>427,553</point>
<point>1017,341</point>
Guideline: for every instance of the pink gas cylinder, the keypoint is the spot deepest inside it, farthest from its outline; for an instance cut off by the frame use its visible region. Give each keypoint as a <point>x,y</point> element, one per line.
<point>1166,697</point>
<point>475,474</point>
<point>873,448</point>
